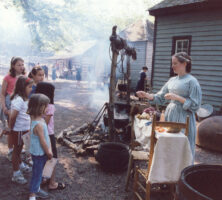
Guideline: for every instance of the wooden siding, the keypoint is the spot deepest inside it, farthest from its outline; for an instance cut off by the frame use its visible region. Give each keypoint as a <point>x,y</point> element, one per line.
<point>149,55</point>
<point>206,50</point>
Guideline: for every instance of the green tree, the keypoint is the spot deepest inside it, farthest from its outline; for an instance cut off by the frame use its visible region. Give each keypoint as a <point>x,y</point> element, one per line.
<point>55,26</point>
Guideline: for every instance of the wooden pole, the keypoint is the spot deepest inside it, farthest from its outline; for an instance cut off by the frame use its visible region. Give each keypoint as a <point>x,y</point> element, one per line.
<point>112,96</point>
<point>128,75</point>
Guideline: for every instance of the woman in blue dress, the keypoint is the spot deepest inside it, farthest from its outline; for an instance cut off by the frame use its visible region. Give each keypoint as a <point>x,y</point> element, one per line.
<point>182,92</point>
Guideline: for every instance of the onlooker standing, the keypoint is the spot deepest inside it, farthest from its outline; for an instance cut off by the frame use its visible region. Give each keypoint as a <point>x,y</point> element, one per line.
<point>78,76</point>
<point>48,90</point>
<point>37,74</point>
<point>46,71</point>
<point>19,123</point>
<point>45,68</point>
<point>53,73</point>
<point>8,84</point>
<point>40,147</point>
<point>143,78</point>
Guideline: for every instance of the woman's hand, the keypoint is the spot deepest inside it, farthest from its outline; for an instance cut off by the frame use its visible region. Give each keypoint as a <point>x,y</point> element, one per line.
<point>142,94</point>
<point>171,96</point>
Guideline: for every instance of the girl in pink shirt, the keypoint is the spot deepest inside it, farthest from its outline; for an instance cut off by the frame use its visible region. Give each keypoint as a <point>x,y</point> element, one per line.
<point>48,90</point>
<point>16,69</point>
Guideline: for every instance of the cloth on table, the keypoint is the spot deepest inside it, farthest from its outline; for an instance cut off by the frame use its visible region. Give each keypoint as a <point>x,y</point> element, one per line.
<point>172,153</point>
<point>142,129</point>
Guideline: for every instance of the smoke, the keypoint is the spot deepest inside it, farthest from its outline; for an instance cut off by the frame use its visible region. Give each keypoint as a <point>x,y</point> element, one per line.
<point>99,97</point>
<point>14,34</point>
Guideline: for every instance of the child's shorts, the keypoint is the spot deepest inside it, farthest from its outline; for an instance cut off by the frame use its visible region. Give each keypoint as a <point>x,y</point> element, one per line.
<point>16,137</point>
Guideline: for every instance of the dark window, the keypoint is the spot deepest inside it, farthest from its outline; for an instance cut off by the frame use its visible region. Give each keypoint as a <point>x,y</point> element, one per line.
<point>180,44</point>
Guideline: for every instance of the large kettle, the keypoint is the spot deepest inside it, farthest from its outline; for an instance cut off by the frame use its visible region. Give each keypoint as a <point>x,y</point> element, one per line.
<point>209,133</point>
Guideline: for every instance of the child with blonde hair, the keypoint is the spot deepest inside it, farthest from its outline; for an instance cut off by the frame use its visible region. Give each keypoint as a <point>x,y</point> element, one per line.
<point>19,124</point>
<point>40,147</point>
<point>48,90</point>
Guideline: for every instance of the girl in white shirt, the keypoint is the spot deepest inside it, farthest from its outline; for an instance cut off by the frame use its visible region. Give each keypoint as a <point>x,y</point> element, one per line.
<point>19,124</point>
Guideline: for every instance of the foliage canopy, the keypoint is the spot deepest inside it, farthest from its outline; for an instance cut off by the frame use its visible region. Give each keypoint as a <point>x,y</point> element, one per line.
<point>55,24</point>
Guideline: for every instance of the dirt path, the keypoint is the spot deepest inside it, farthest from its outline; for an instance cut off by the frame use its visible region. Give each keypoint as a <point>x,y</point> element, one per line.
<point>83,176</point>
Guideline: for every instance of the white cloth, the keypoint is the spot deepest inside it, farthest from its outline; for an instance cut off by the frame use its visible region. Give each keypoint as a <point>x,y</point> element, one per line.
<point>23,120</point>
<point>142,132</point>
<point>172,154</point>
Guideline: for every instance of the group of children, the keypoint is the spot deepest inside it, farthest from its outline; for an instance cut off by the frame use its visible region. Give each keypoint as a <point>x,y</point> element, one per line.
<point>28,107</point>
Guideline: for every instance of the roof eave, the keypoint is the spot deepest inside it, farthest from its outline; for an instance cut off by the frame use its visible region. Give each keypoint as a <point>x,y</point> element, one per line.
<point>178,9</point>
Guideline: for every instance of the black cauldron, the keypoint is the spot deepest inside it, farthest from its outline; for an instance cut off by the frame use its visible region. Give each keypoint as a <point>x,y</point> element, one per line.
<point>122,87</point>
<point>200,182</point>
<point>113,156</point>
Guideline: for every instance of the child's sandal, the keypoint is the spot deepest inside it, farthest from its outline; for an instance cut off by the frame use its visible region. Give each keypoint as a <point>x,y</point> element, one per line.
<point>45,181</point>
<point>60,186</point>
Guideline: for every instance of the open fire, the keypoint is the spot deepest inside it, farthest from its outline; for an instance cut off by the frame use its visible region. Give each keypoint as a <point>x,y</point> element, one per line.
<point>113,122</point>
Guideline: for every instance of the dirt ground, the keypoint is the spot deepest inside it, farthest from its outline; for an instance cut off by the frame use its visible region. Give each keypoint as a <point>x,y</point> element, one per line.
<point>84,178</point>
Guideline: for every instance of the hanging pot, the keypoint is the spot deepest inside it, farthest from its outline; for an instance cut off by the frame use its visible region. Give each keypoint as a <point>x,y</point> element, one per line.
<point>122,87</point>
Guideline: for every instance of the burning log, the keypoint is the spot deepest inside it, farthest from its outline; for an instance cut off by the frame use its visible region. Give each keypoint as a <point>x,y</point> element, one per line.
<point>70,131</point>
<point>90,142</point>
<point>59,138</point>
<point>78,149</point>
<point>92,149</point>
<point>77,130</point>
<point>70,144</point>
<point>77,140</point>
<point>84,139</point>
